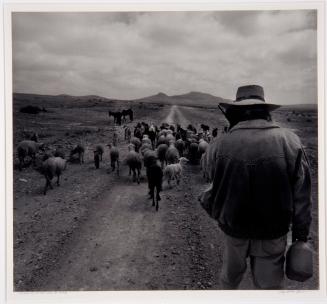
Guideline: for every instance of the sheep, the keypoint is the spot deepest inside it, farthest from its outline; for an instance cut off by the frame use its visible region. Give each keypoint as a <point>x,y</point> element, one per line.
<point>115,138</point>
<point>162,140</point>
<point>145,147</point>
<point>78,149</point>
<point>174,171</point>
<point>114,158</point>
<point>154,174</point>
<point>161,151</point>
<point>146,140</point>
<point>59,152</point>
<point>136,142</point>
<point>128,133</point>
<point>202,147</point>
<point>96,159</point>
<point>172,154</point>
<point>149,157</point>
<point>180,146</point>
<point>170,138</point>
<point>28,148</point>
<point>100,150</point>
<point>51,167</point>
<point>193,152</point>
<point>134,162</point>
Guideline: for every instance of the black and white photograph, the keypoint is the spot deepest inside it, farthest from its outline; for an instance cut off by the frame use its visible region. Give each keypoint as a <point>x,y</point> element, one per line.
<point>165,150</point>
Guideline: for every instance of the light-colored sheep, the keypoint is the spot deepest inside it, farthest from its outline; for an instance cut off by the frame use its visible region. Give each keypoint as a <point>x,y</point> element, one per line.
<point>136,142</point>
<point>170,138</point>
<point>28,148</point>
<point>174,171</point>
<point>51,167</point>
<point>134,162</point>
<point>172,154</point>
<point>203,145</point>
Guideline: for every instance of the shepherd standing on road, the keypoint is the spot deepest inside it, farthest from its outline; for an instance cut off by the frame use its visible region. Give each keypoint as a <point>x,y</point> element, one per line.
<point>261,186</point>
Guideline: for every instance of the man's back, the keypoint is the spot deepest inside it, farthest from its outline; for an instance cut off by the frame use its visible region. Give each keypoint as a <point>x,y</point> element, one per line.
<point>255,173</point>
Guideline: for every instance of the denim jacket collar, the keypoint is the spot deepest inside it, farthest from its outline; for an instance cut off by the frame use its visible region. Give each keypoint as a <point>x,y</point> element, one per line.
<point>254,124</point>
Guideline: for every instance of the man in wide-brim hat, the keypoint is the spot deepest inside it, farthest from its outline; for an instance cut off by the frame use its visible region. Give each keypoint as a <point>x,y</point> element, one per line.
<point>261,186</point>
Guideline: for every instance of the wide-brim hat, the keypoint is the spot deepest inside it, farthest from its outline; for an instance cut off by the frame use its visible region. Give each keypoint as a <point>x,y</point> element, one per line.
<point>249,95</point>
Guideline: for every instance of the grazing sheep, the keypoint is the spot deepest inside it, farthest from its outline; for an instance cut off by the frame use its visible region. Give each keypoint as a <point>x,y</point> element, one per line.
<point>174,171</point>
<point>51,167</point>
<point>100,150</point>
<point>154,174</point>
<point>136,142</point>
<point>202,147</point>
<point>114,158</point>
<point>134,162</point>
<point>28,148</point>
<point>180,146</point>
<point>79,149</point>
<point>161,151</point>
<point>172,154</point>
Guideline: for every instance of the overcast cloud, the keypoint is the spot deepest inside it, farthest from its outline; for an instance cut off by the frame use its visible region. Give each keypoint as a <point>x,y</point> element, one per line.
<point>132,55</point>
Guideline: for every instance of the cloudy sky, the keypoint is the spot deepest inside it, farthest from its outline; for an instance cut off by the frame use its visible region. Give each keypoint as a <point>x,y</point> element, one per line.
<point>132,55</point>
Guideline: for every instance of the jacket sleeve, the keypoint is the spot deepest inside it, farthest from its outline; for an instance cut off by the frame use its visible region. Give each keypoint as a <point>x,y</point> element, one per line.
<point>301,198</point>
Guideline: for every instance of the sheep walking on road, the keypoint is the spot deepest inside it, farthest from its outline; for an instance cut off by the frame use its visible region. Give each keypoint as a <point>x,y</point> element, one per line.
<point>114,158</point>
<point>172,154</point>
<point>115,138</point>
<point>28,148</point>
<point>154,174</point>
<point>203,146</point>
<point>174,171</point>
<point>180,146</point>
<point>128,134</point>
<point>100,150</point>
<point>161,151</point>
<point>79,150</point>
<point>134,162</point>
<point>51,167</point>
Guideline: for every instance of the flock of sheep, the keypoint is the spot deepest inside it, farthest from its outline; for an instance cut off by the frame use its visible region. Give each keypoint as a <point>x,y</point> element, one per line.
<point>162,151</point>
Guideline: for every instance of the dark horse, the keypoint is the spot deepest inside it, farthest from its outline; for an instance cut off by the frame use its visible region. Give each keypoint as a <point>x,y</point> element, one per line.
<point>117,117</point>
<point>128,112</point>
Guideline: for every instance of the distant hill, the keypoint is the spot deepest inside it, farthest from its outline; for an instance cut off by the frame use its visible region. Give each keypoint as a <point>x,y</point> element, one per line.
<point>193,99</point>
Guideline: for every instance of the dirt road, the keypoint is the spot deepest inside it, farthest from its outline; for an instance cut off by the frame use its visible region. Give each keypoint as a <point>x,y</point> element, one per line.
<point>124,244</point>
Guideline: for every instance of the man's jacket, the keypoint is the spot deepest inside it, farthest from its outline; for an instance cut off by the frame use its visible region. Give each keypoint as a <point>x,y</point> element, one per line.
<point>261,182</point>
